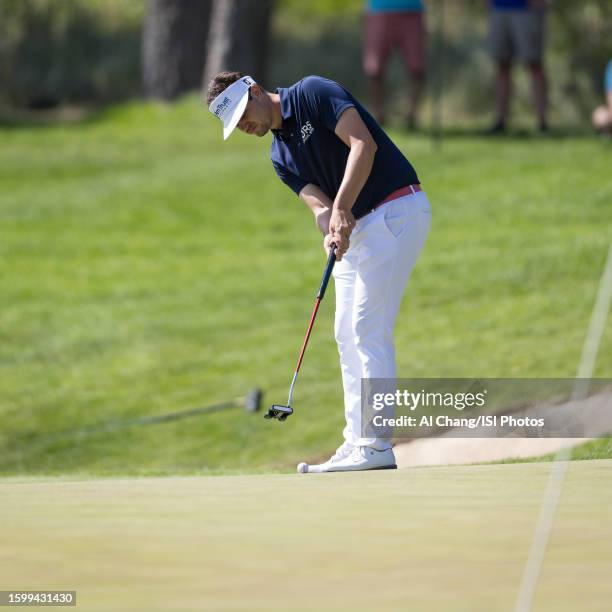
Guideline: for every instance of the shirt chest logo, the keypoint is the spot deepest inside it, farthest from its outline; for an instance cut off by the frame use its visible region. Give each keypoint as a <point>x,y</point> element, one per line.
<point>307,131</point>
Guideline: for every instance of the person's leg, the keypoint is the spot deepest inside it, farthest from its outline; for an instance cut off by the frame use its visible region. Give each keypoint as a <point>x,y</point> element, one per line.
<point>344,280</point>
<point>390,247</point>
<point>369,283</point>
<point>376,48</point>
<point>412,41</point>
<point>500,42</point>
<point>503,89</point>
<point>350,365</point>
<point>376,84</point>
<point>417,84</point>
<point>540,93</point>
<point>528,29</point>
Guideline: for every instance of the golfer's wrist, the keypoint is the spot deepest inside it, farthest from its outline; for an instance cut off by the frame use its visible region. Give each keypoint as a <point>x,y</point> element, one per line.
<point>342,206</point>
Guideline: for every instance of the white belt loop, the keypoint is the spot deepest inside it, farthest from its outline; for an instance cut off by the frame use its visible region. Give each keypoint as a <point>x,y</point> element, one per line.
<point>412,189</point>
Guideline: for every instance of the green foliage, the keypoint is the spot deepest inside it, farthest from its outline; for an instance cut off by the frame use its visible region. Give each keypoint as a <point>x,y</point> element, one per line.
<point>596,449</point>
<point>320,9</point>
<point>74,50</point>
<point>317,45</point>
<point>78,50</point>
<point>147,267</point>
<point>581,32</point>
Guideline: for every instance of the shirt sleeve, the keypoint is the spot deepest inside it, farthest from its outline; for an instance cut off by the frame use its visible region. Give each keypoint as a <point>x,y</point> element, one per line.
<point>329,99</point>
<point>292,181</point>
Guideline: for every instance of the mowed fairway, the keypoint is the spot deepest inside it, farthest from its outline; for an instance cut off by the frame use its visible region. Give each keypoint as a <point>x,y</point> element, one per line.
<point>147,266</point>
<point>424,539</point>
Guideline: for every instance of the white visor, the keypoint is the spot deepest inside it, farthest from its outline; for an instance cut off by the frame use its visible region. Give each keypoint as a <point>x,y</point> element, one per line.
<point>229,105</point>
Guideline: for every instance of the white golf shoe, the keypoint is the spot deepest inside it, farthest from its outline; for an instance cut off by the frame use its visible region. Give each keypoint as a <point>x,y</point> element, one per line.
<point>342,452</point>
<point>358,458</point>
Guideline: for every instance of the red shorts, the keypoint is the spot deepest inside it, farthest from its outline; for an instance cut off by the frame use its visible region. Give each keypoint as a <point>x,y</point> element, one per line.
<point>388,30</point>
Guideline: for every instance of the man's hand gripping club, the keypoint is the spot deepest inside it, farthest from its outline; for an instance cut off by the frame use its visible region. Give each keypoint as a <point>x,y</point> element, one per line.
<point>341,224</point>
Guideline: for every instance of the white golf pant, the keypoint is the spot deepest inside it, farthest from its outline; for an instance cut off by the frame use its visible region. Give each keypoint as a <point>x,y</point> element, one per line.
<point>370,281</point>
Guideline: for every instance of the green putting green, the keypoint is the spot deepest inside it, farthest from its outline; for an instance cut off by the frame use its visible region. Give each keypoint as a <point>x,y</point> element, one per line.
<point>451,539</point>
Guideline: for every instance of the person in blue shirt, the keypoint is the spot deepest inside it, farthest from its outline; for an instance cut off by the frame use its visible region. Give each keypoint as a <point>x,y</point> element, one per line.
<point>366,198</point>
<point>602,115</point>
<point>517,32</point>
<point>391,25</point>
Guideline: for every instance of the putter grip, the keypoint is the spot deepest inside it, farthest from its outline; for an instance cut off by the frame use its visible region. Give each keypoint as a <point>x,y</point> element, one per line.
<point>331,260</point>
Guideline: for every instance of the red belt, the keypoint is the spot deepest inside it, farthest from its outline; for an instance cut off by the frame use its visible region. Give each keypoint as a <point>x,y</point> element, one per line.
<point>399,193</point>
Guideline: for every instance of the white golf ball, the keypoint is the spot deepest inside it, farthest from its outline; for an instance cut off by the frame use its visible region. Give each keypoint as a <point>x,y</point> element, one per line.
<point>302,468</point>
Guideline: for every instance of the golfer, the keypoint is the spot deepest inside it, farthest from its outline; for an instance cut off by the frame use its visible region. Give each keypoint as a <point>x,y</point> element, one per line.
<point>366,198</point>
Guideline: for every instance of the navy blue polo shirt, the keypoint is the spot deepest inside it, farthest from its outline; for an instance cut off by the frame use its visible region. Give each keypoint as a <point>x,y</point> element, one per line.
<point>307,150</point>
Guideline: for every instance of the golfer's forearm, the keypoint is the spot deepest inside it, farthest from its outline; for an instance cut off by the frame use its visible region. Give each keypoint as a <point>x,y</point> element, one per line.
<point>322,220</point>
<point>319,204</point>
<point>358,168</point>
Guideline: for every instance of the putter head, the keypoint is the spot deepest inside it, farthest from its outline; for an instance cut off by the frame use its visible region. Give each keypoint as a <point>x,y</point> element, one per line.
<point>278,412</point>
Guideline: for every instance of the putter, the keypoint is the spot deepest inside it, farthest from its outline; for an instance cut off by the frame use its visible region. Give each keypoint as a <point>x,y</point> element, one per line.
<point>251,402</point>
<point>277,411</point>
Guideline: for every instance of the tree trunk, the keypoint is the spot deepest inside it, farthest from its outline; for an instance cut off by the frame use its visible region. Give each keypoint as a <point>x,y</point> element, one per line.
<point>239,38</point>
<point>174,46</point>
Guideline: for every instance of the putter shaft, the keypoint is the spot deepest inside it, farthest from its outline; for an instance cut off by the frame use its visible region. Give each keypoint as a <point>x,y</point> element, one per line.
<point>273,412</point>
<point>320,295</point>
